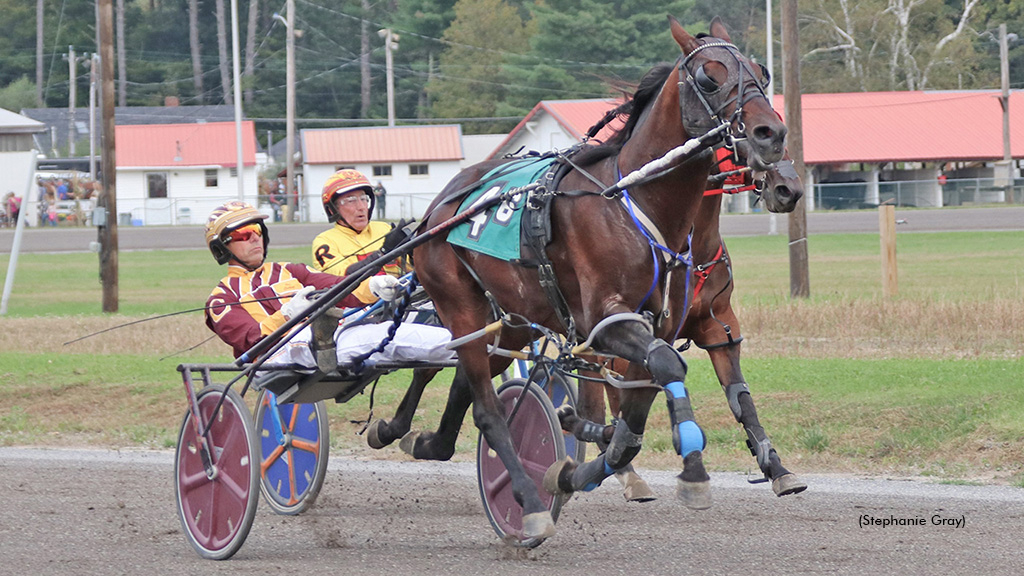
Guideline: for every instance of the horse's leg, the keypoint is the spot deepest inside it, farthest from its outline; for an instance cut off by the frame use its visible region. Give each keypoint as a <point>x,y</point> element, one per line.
<point>489,417</point>
<point>588,426</point>
<point>726,360</point>
<point>382,432</point>
<point>440,445</point>
<point>632,341</point>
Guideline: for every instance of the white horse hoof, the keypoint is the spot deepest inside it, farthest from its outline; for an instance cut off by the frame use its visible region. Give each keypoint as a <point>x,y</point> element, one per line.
<point>694,495</point>
<point>538,525</point>
<point>634,488</point>
<point>788,484</point>
<point>408,442</point>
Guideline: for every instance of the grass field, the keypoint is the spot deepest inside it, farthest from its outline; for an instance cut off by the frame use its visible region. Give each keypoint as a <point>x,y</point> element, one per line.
<point>927,382</point>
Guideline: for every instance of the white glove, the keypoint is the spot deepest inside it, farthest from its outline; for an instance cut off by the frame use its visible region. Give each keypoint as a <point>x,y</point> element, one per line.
<point>385,287</point>
<point>298,304</point>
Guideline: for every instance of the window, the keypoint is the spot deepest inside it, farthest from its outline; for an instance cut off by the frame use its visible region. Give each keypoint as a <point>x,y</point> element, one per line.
<point>211,178</point>
<point>234,172</point>
<point>156,184</point>
<point>419,170</point>
<point>382,170</point>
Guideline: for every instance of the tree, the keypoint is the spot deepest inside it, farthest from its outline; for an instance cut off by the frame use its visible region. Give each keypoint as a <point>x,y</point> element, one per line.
<point>195,48</point>
<point>249,71</point>
<point>18,95</point>
<point>122,57</point>
<point>224,61</point>
<point>484,35</point>
<point>39,52</point>
<point>886,44</point>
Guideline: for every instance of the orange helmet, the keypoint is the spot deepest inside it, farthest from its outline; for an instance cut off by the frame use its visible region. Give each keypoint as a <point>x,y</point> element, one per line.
<point>228,217</point>
<point>341,182</point>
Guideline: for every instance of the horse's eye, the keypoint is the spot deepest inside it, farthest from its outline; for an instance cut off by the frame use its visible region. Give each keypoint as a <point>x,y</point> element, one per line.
<point>766,75</point>
<point>706,83</point>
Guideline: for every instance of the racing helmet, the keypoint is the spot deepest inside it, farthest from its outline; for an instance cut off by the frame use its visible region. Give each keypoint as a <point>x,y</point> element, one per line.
<point>228,217</point>
<point>341,182</point>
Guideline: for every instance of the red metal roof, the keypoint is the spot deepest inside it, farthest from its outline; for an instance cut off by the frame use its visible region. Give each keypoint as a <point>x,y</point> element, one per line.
<point>207,144</point>
<point>382,144</point>
<point>869,127</point>
<point>874,127</point>
<point>575,116</point>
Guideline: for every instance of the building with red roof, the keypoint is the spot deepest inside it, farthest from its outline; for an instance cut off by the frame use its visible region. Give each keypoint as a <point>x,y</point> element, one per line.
<point>414,161</point>
<point>855,144</point>
<point>178,173</point>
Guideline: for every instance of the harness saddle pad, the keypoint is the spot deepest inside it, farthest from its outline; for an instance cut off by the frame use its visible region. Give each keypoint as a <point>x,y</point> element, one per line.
<point>495,231</point>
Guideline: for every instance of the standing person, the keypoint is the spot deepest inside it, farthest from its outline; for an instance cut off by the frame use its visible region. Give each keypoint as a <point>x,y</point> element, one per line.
<point>13,207</point>
<point>257,297</point>
<point>381,196</point>
<point>348,201</point>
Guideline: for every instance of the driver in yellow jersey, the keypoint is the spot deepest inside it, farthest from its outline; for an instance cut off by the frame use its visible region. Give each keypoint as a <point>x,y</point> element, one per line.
<point>348,201</point>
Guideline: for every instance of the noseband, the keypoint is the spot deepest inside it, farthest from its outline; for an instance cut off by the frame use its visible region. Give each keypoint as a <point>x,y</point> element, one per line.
<point>702,86</point>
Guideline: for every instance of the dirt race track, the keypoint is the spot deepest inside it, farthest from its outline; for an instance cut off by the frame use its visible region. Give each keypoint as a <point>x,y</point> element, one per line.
<point>100,512</point>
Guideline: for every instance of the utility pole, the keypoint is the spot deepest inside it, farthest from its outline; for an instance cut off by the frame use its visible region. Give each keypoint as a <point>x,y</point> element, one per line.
<point>236,69</point>
<point>390,44</point>
<point>799,277</point>
<point>1004,74</point>
<point>773,220</point>
<point>289,96</point>
<point>72,98</point>
<point>108,197</point>
<point>94,63</point>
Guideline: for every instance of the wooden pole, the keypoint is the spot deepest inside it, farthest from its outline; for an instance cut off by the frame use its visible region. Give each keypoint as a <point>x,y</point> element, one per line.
<point>108,196</point>
<point>799,276</point>
<point>887,234</point>
<point>1004,75</point>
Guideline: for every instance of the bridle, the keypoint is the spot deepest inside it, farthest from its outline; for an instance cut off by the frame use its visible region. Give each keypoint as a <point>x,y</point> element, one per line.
<point>703,86</point>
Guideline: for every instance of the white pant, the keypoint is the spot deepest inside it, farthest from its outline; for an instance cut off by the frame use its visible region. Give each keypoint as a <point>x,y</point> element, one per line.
<point>412,343</point>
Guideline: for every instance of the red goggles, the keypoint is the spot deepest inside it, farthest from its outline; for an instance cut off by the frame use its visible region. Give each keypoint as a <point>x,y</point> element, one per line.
<point>244,234</point>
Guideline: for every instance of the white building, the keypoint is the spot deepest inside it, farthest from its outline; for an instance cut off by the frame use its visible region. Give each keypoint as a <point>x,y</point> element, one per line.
<point>18,159</point>
<point>178,173</point>
<point>413,163</point>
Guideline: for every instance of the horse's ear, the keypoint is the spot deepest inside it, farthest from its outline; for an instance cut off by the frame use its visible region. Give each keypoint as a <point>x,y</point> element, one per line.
<point>686,42</point>
<point>718,29</point>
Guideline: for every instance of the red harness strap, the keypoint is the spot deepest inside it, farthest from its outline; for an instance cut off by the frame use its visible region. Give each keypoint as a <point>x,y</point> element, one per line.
<point>704,270</point>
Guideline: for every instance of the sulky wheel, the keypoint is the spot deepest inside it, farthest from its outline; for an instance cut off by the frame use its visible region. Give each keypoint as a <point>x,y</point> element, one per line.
<point>294,445</point>
<point>217,505</point>
<point>560,391</point>
<point>537,438</point>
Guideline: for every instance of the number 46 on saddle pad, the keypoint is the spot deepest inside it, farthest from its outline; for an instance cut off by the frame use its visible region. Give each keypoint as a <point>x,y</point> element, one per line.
<point>496,231</point>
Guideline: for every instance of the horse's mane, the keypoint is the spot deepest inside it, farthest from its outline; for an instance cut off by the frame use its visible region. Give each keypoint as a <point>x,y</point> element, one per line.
<point>632,109</point>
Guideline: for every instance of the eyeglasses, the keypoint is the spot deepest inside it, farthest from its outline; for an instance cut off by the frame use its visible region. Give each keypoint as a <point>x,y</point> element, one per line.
<point>346,201</point>
<point>244,234</point>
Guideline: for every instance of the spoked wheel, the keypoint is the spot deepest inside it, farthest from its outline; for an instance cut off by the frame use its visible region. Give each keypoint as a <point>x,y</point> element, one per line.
<point>537,438</point>
<point>294,445</point>
<point>217,505</point>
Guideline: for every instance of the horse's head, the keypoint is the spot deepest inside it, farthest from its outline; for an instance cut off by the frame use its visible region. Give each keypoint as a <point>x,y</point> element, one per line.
<point>719,85</point>
<point>780,187</point>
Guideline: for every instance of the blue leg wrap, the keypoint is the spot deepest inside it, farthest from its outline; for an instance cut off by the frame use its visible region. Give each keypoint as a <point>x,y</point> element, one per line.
<point>687,436</point>
<point>589,475</point>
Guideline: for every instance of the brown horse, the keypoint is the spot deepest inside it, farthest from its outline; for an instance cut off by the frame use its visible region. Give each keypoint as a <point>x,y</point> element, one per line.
<point>609,269</point>
<point>712,325</point>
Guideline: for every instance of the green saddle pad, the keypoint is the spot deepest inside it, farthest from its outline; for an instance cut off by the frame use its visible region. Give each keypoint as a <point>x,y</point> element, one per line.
<point>495,231</point>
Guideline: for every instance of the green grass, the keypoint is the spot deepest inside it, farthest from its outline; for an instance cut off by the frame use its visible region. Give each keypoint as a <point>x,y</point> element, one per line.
<point>927,382</point>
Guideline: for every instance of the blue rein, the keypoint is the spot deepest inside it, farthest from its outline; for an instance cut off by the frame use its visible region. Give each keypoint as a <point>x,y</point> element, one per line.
<point>657,247</point>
